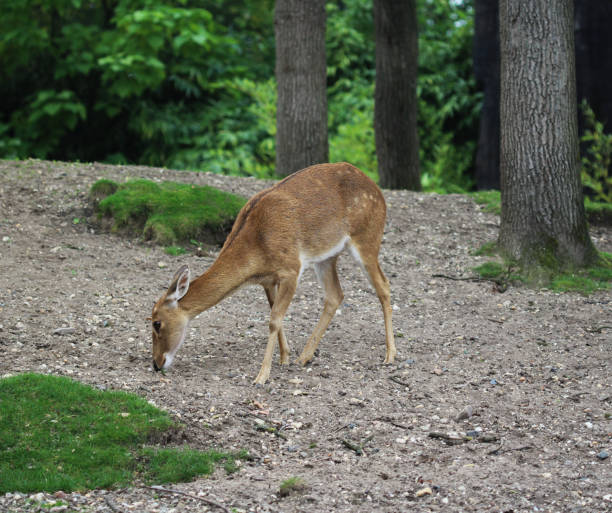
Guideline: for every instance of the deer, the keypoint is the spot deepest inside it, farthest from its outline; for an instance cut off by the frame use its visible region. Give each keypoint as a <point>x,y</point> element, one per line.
<point>305,220</point>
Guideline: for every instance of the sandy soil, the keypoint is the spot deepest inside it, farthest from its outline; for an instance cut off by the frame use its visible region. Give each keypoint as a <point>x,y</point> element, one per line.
<point>525,374</point>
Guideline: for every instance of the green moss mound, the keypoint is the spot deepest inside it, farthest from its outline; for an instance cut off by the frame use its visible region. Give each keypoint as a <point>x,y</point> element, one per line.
<point>168,212</point>
<point>58,434</point>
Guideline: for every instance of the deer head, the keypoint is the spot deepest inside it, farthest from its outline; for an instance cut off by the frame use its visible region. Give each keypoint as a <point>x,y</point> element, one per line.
<point>169,321</point>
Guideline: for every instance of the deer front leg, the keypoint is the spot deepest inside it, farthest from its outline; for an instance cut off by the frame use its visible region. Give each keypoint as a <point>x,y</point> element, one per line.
<point>282,340</point>
<point>284,295</point>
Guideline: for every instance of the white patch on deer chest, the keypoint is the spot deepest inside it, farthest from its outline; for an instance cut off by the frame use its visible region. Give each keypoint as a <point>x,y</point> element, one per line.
<point>308,259</point>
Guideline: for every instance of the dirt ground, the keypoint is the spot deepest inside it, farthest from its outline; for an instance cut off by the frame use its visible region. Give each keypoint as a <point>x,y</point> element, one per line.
<point>525,374</point>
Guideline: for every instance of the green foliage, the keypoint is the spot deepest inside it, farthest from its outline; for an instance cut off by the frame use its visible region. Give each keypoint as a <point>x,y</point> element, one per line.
<point>449,102</point>
<point>597,163</point>
<point>170,212</point>
<point>189,84</point>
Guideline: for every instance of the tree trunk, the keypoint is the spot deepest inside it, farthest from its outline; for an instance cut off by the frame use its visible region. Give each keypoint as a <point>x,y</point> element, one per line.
<point>486,70</point>
<point>301,74</point>
<point>395,108</point>
<point>542,221</point>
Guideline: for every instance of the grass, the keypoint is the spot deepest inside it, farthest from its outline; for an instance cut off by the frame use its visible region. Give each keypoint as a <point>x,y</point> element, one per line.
<point>57,434</point>
<point>291,485</point>
<point>175,250</point>
<point>490,200</point>
<point>584,281</point>
<point>167,212</point>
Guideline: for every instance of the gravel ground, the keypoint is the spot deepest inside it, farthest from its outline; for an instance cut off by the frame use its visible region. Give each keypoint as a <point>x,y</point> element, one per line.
<point>497,402</point>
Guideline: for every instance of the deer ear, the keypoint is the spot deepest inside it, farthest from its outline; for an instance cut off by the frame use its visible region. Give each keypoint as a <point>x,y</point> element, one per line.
<point>179,286</point>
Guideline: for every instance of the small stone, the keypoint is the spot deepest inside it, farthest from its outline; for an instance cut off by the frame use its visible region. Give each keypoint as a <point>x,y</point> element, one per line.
<point>64,331</point>
<point>424,491</point>
<point>6,239</point>
<point>493,381</point>
<point>467,413</point>
<point>161,265</point>
<point>603,455</point>
<point>20,326</point>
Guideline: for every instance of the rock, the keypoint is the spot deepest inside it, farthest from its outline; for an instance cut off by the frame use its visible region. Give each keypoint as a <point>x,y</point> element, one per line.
<point>64,331</point>
<point>603,455</point>
<point>467,413</point>
<point>423,491</point>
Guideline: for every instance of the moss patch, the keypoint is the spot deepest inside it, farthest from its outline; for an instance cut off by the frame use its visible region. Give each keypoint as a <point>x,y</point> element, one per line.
<point>167,213</point>
<point>58,434</point>
<point>584,281</point>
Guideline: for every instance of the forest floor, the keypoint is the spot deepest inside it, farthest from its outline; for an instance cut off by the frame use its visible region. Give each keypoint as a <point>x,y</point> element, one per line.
<point>524,374</point>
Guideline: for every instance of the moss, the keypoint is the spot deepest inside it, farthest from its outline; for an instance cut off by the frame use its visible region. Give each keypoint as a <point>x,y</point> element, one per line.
<point>487,249</point>
<point>101,189</point>
<point>169,212</point>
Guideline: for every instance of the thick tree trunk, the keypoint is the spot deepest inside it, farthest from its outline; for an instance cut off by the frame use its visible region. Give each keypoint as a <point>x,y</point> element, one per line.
<point>301,74</point>
<point>486,70</point>
<point>395,110</point>
<point>543,220</point>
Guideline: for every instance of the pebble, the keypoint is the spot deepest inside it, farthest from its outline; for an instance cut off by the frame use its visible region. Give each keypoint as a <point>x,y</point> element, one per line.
<point>603,455</point>
<point>64,331</point>
<point>467,413</point>
<point>423,491</point>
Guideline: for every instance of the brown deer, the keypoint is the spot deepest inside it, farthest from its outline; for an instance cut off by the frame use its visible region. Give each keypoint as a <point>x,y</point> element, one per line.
<point>306,219</point>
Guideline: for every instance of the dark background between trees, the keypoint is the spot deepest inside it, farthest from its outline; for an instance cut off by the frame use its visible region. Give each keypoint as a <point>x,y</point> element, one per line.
<point>190,84</point>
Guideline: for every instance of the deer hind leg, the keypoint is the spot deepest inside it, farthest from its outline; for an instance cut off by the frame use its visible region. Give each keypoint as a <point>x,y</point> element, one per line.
<point>282,340</point>
<point>328,278</point>
<point>284,295</point>
<point>368,259</point>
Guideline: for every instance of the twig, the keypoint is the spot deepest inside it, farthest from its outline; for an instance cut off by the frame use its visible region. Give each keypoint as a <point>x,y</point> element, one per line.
<point>178,492</point>
<point>357,448</point>
<point>597,329</point>
<point>111,504</point>
<point>453,440</point>
<point>393,423</point>
<point>270,429</point>
<point>502,285</point>
<point>396,379</point>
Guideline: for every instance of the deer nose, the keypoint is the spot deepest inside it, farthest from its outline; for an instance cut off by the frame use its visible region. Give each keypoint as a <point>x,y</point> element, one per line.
<point>156,367</point>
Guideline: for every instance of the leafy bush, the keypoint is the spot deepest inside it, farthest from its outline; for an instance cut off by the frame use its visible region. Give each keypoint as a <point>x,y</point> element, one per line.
<point>596,172</point>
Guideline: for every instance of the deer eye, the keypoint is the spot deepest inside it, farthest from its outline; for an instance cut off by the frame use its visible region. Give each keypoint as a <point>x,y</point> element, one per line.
<point>157,326</point>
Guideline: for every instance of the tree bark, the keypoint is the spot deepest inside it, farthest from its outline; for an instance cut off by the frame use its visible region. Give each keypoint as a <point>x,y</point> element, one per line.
<point>486,70</point>
<point>542,221</point>
<point>395,107</point>
<point>301,74</point>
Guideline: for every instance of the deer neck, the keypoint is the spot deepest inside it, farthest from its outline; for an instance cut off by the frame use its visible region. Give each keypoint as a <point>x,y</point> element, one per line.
<point>222,278</point>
